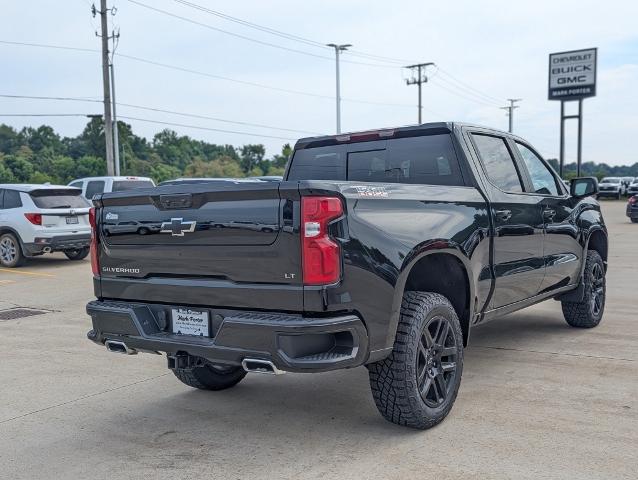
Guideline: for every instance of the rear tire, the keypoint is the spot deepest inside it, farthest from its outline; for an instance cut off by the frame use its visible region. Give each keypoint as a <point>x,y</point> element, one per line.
<point>79,254</point>
<point>10,251</point>
<point>417,384</point>
<point>210,376</point>
<point>589,311</point>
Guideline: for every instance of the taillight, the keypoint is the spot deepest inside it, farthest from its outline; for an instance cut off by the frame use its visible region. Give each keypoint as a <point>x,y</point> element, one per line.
<point>320,253</point>
<point>34,218</point>
<point>633,200</point>
<point>95,264</point>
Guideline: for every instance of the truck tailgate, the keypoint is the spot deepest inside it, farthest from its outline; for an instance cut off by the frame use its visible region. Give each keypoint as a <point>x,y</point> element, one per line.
<point>203,244</point>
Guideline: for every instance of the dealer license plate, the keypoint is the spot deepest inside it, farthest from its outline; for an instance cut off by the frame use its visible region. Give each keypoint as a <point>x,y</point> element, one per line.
<point>190,322</point>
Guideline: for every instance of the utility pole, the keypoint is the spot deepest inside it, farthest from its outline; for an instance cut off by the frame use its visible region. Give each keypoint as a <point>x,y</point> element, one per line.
<point>510,111</point>
<point>418,79</point>
<point>116,136</point>
<point>338,49</point>
<point>108,125</point>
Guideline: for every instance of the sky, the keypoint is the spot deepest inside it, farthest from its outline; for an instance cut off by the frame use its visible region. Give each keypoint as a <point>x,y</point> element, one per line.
<point>485,52</point>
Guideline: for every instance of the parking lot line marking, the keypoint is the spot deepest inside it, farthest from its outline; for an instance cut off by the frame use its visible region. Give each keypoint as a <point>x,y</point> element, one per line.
<point>7,281</point>
<point>24,272</point>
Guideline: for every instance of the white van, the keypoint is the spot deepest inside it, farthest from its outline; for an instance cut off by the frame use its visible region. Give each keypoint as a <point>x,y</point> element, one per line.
<point>93,185</point>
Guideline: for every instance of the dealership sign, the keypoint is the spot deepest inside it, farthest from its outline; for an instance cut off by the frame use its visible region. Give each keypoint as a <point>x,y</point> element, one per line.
<point>572,75</point>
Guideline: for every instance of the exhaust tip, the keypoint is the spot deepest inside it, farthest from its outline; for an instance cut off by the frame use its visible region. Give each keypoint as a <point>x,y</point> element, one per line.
<point>46,249</point>
<point>119,347</point>
<point>255,365</point>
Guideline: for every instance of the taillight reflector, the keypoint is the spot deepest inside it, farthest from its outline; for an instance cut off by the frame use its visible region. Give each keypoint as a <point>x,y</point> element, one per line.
<point>95,264</point>
<point>34,218</point>
<point>320,253</point>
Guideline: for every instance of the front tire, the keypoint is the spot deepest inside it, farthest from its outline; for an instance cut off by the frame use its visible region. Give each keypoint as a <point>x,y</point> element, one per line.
<point>589,311</point>
<point>210,376</point>
<point>10,251</point>
<point>416,386</point>
<point>79,254</point>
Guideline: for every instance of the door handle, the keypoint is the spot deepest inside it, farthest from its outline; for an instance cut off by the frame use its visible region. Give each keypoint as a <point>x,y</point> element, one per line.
<point>503,215</point>
<point>549,214</point>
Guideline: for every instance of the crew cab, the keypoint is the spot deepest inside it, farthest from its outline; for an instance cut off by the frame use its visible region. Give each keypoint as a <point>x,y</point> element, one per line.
<point>380,248</point>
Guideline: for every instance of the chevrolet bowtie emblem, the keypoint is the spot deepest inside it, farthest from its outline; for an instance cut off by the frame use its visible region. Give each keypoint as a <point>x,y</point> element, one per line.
<point>178,227</point>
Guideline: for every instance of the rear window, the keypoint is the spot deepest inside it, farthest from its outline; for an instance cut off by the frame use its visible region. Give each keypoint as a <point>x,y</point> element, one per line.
<point>58,199</point>
<point>429,160</point>
<point>122,185</point>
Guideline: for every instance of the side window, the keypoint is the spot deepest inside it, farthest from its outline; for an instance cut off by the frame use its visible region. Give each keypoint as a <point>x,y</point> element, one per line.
<point>11,199</point>
<point>94,187</point>
<point>542,179</point>
<point>1,199</point>
<point>498,163</point>
<point>76,185</point>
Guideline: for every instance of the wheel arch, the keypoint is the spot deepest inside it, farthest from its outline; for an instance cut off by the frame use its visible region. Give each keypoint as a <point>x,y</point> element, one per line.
<point>437,267</point>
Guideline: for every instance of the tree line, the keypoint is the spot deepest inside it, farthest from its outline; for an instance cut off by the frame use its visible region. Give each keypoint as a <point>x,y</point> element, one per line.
<point>39,155</point>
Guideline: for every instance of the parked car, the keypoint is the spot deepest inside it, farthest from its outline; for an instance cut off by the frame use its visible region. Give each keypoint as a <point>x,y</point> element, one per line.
<point>632,189</point>
<point>39,219</point>
<point>632,208</point>
<point>611,187</point>
<point>91,186</point>
<point>626,181</point>
<point>379,248</point>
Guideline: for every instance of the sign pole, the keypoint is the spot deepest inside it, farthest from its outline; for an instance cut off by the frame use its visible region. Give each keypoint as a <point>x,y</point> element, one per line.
<point>580,136</point>
<point>562,137</point>
<point>572,76</point>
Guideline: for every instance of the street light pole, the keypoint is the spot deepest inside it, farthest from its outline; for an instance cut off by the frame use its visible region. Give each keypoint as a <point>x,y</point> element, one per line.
<point>338,49</point>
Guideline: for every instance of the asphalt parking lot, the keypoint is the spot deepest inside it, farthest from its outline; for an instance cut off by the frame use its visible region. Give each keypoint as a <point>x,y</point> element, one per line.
<point>539,400</point>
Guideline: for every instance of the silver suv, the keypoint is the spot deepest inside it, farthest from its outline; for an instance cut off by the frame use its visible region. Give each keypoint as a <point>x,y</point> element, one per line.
<point>39,219</point>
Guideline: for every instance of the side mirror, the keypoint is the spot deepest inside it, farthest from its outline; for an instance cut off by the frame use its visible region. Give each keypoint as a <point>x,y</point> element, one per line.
<point>583,187</point>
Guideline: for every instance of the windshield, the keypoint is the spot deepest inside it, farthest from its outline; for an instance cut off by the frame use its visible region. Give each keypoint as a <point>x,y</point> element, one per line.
<point>66,198</point>
<point>122,185</point>
<point>610,180</point>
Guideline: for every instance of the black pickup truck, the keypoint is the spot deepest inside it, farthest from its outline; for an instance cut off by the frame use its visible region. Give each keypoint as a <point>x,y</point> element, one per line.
<point>379,248</point>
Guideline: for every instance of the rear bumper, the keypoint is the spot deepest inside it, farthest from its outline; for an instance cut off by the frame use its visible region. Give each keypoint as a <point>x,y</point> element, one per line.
<point>632,212</point>
<point>292,342</point>
<point>57,244</point>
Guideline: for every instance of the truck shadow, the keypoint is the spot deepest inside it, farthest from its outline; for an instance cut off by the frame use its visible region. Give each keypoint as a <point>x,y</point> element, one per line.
<point>268,414</point>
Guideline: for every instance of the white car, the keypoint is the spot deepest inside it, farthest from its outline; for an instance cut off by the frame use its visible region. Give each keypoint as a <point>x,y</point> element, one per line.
<point>611,187</point>
<point>91,186</point>
<point>633,188</point>
<point>39,219</point>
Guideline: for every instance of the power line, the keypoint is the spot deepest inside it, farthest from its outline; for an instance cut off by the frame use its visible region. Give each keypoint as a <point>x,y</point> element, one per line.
<point>467,87</point>
<point>42,45</point>
<point>197,127</point>
<point>48,114</point>
<point>250,39</point>
<point>211,75</point>
<point>462,95</point>
<point>161,110</point>
<point>285,35</point>
<point>259,85</point>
